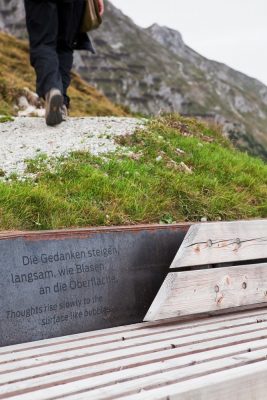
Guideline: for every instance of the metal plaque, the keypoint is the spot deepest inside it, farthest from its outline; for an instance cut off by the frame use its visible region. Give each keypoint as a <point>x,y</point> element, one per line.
<point>65,282</point>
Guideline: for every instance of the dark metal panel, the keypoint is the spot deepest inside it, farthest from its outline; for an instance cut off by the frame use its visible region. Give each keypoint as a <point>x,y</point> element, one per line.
<point>65,282</point>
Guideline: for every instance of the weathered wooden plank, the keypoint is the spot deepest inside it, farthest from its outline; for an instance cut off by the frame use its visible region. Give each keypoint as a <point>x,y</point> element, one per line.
<point>137,379</point>
<point>155,362</point>
<point>187,335</point>
<point>152,361</point>
<point>247,383</point>
<point>142,328</point>
<point>130,338</point>
<point>222,242</point>
<point>252,341</point>
<point>154,335</point>
<point>107,361</point>
<point>192,292</point>
<point>138,345</point>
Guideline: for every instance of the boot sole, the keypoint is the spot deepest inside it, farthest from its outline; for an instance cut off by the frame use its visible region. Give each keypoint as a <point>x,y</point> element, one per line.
<point>54,115</point>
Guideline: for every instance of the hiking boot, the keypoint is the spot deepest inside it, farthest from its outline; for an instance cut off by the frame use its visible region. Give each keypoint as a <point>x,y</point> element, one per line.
<point>53,107</point>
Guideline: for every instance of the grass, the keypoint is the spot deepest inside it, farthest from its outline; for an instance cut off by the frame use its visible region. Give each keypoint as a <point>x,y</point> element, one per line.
<point>16,74</point>
<point>5,118</point>
<point>144,182</point>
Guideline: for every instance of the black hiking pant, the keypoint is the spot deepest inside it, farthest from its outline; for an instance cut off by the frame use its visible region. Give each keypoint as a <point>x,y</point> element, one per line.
<point>53,27</point>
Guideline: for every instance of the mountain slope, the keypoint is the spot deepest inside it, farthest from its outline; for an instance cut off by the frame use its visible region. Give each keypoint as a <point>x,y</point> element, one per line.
<point>240,102</point>
<point>16,74</point>
<point>152,70</point>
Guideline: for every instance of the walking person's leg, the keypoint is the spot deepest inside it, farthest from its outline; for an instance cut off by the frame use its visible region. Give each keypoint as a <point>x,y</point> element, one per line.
<point>69,22</point>
<point>42,25</point>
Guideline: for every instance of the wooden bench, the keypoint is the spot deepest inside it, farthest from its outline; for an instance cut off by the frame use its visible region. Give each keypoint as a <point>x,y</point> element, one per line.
<point>218,266</point>
<point>208,356</point>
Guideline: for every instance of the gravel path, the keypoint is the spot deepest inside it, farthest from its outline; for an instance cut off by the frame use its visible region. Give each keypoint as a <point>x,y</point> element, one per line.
<point>26,137</point>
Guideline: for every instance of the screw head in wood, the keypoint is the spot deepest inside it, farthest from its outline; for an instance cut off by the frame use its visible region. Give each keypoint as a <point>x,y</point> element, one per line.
<point>217,289</point>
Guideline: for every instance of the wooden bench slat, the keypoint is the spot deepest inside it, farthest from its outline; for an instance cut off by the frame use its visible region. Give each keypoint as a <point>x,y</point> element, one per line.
<point>151,361</point>
<point>246,383</point>
<point>133,381</point>
<point>159,341</point>
<point>132,330</point>
<point>128,339</point>
<point>191,351</point>
<point>209,344</point>
<point>213,243</point>
<point>73,338</point>
<point>192,292</point>
<point>100,363</point>
<point>249,339</point>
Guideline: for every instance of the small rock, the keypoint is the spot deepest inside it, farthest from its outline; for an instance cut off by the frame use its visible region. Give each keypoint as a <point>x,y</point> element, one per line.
<point>32,97</point>
<point>135,156</point>
<point>180,152</point>
<point>204,219</point>
<point>184,168</point>
<point>23,103</point>
<point>207,138</point>
<point>31,111</point>
<point>173,165</point>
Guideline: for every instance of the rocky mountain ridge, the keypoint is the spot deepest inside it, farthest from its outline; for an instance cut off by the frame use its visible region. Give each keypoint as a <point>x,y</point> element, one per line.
<point>152,70</point>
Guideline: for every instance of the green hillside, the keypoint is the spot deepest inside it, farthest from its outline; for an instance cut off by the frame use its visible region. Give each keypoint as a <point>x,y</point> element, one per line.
<point>176,169</point>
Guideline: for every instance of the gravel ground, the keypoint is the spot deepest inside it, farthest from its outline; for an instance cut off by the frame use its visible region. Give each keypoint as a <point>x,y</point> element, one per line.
<point>26,137</point>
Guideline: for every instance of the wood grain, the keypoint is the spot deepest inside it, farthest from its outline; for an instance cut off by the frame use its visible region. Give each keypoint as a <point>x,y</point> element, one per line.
<point>222,242</point>
<point>156,359</point>
<point>244,332</point>
<point>193,292</point>
<point>111,351</point>
<point>135,380</point>
<point>152,361</point>
<point>247,383</point>
<point>135,330</point>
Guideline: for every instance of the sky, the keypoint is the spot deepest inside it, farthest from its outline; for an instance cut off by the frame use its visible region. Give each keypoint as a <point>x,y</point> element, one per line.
<point>231,31</point>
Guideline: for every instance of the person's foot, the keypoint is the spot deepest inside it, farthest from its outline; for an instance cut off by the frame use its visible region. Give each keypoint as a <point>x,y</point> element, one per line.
<point>53,107</point>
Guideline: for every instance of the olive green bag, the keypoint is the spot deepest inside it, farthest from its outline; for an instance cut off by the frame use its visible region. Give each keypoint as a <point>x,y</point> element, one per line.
<point>91,18</point>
